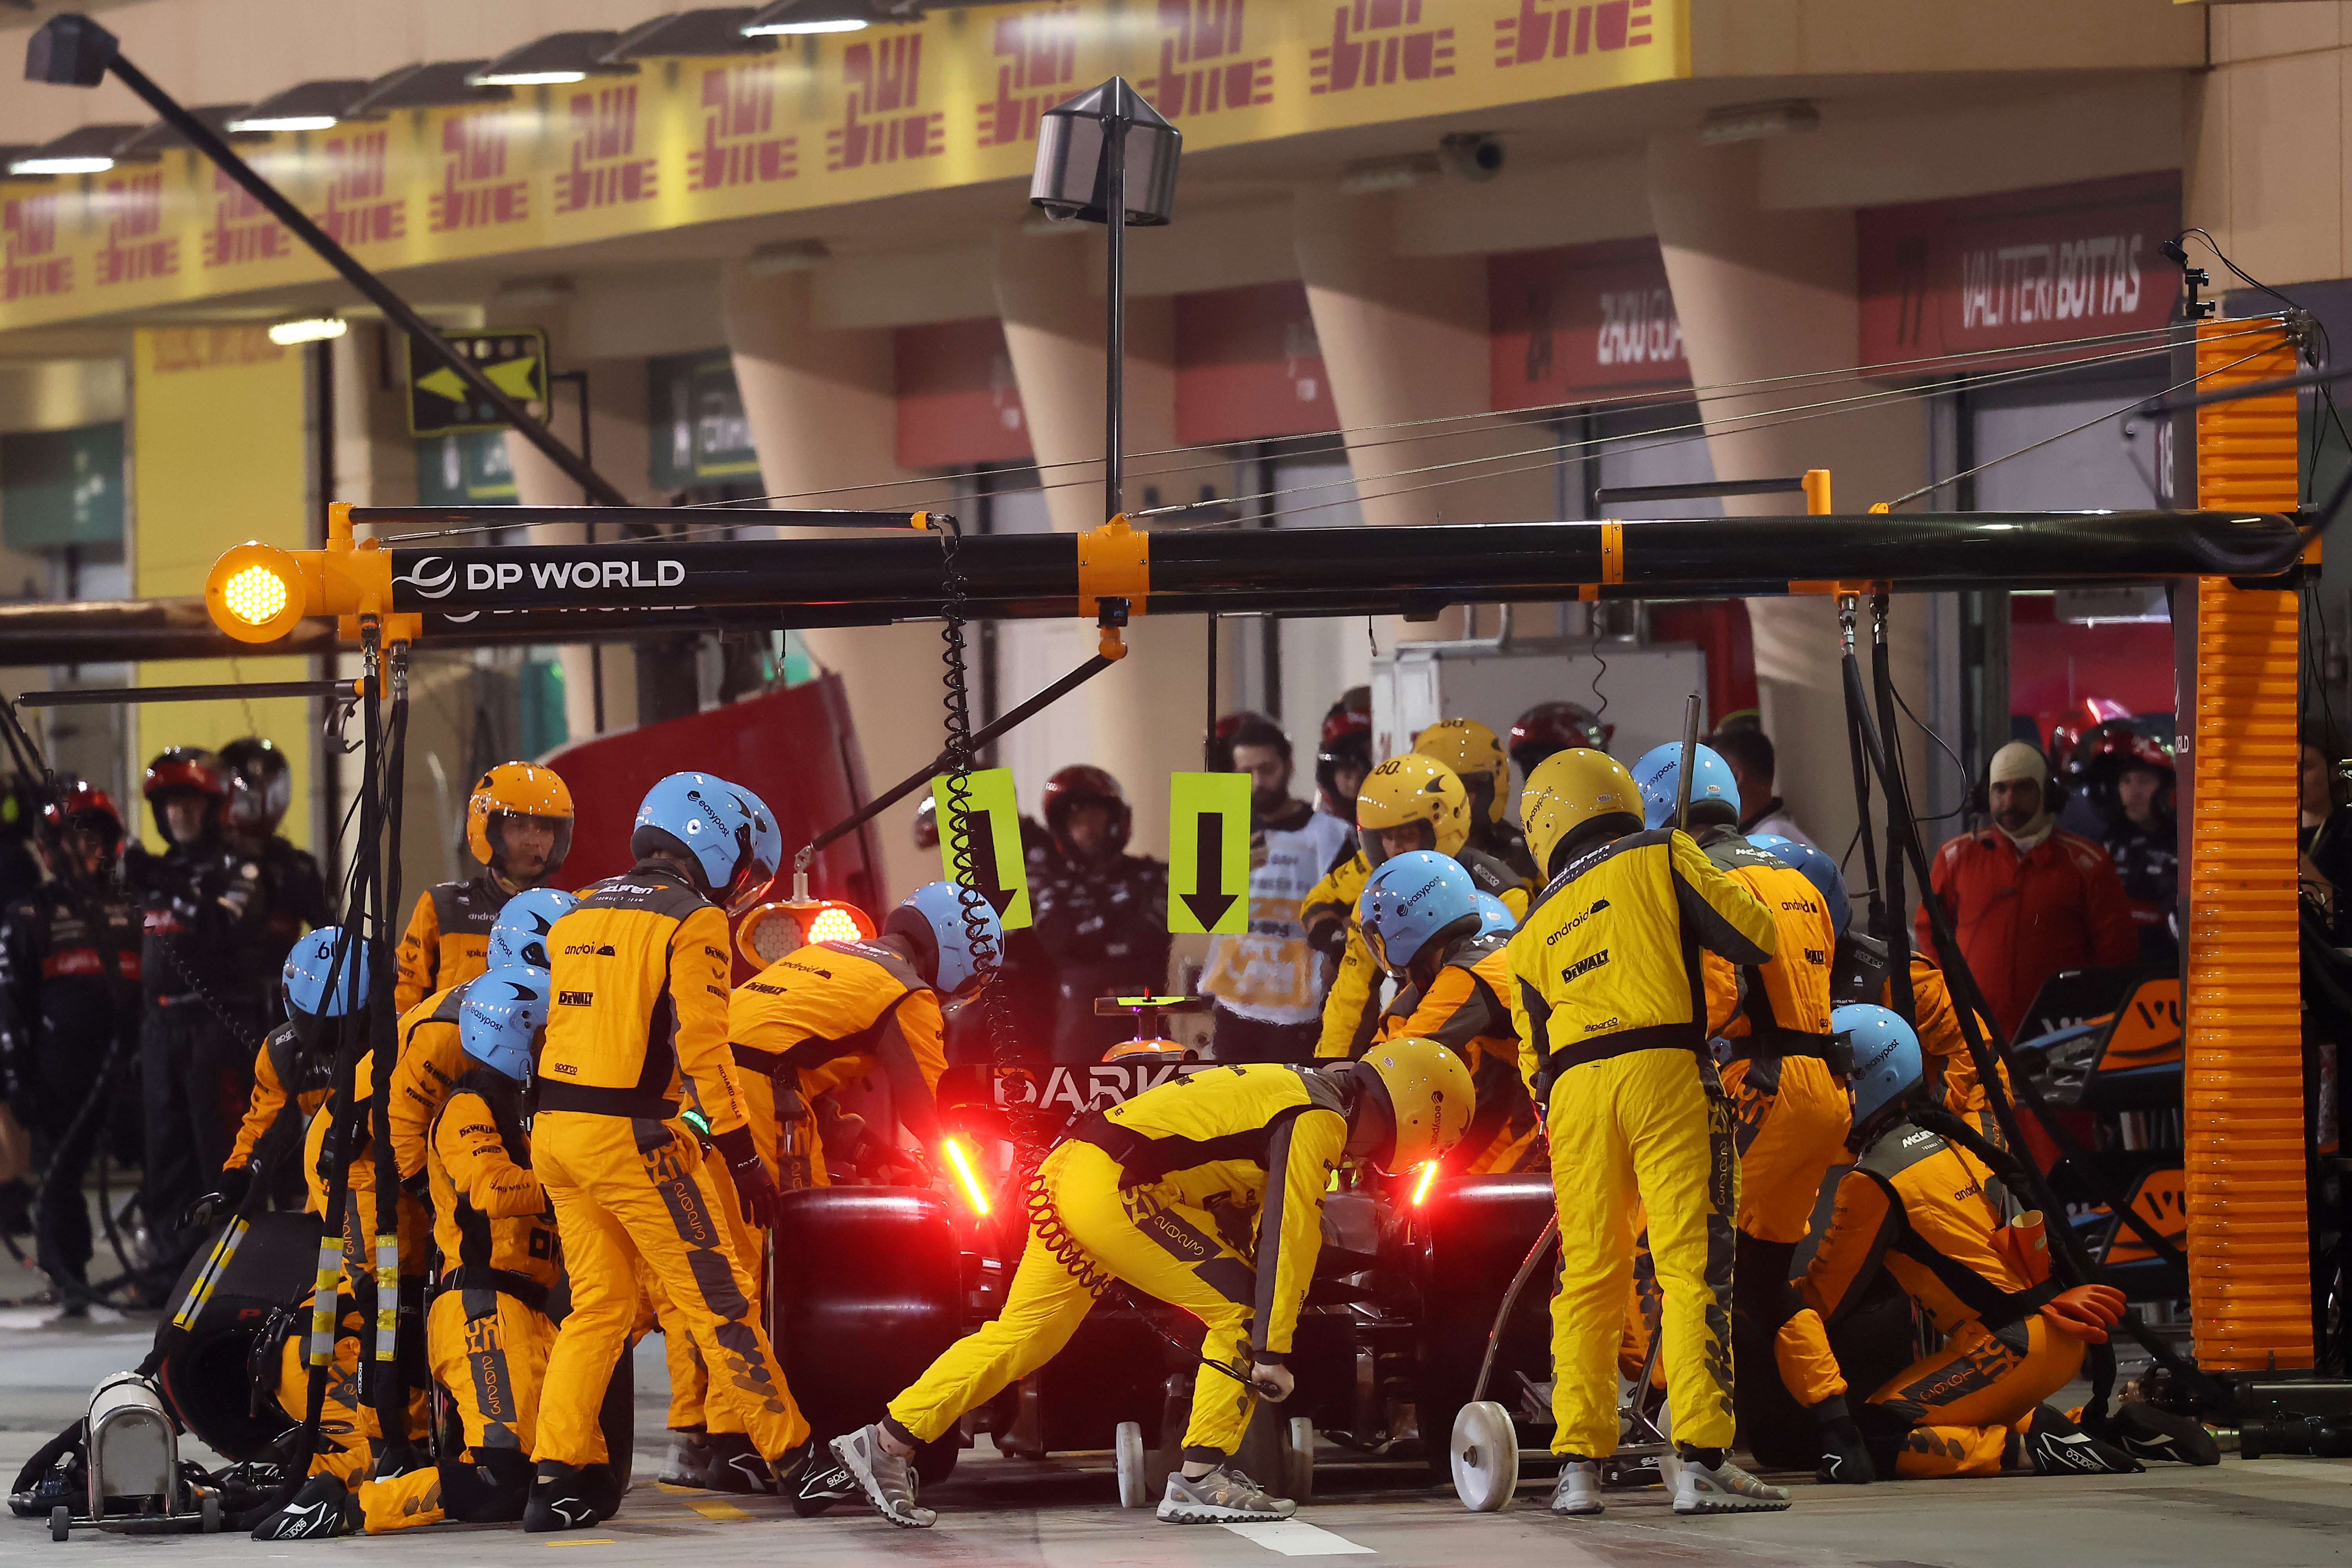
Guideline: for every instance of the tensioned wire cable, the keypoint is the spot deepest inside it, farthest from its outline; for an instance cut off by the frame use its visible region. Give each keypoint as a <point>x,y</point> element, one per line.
<point>1710,393</point>
<point>750,506</point>
<point>1696,430</point>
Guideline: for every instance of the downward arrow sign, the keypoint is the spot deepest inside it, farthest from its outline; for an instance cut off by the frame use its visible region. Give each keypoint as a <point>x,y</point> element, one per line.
<point>1209,902</point>
<point>984,879</point>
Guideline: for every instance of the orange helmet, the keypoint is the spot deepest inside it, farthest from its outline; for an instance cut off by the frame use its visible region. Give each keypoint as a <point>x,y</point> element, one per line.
<point>518,789</point>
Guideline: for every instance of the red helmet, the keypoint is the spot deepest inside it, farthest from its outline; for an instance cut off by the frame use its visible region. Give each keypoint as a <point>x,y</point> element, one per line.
<point>1081,782</point>
<point>80,801</point>
<point>1346,742</point>
<point>2112,745</point>
<point>185,767</point>
<point>1549,727</point>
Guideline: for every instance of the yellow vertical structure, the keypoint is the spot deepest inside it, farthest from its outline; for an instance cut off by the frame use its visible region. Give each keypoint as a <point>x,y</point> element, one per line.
<point>218,456</point>
<point>2249,1239</point>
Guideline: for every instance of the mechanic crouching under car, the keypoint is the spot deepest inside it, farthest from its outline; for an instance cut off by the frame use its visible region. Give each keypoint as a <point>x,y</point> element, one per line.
<point>1124,1203</point>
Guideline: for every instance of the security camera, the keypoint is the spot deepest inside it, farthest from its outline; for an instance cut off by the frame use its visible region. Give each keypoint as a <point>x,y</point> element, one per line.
<point>1475,156</point>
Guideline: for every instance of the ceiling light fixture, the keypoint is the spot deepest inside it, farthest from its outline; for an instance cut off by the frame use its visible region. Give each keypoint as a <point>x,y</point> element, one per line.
<point>553,61</point>
<point>86,150</point>
<point>800,18</point>
<point>310,106</point>
<point>309,330</point>
<point>714,30</point>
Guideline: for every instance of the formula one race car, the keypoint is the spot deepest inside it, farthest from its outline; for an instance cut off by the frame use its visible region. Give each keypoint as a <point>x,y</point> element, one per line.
<point>1389,1349</point>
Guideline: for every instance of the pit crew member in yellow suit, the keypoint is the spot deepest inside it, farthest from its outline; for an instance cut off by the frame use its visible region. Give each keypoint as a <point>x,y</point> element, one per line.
<point>1432,932</point>
<point>1410,801</point>
<point>638,1021</point>
<point>1610,1001</point>
<point>519,825</point>
<point>1129,1191</point>
<point>1932,1213</point>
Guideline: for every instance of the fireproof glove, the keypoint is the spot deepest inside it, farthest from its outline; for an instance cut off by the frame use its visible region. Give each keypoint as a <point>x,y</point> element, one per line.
<point>2086,1313</point>
<point>753,1182</point>
<point>1274,1381</point>
<point>228,1195</point>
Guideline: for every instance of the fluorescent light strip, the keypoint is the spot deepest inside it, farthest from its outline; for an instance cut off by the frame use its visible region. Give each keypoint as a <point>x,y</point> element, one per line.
<point>846,24</point>
<point>531,79</point>
<point>61,166</point>
<point>287,122</point>
<point>286,334</point>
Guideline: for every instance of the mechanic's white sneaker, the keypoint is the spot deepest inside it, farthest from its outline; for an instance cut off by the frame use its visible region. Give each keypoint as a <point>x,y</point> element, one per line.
<point>1722,1488</point>
<point>1223,1496</point>
<point>888,1480</point>
<point>1578,1492</point>
<point>688,1460</point>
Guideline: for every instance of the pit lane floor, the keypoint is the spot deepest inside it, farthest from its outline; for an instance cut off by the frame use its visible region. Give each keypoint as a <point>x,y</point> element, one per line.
<point>2277,1512</point>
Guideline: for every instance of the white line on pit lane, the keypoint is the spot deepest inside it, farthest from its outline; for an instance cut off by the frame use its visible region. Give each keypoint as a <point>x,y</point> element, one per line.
<point>1296,1538</point>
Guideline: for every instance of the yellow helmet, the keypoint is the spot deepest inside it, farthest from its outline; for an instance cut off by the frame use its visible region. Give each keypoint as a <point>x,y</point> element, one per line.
<point>1413,788</point>
<point>1430,1099</point>
<point>518,789</point>
<point>1475,753</point>
<point>1567,790</point>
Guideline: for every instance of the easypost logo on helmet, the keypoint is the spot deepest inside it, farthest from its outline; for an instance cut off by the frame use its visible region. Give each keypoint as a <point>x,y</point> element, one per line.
<point>1876,1060</point>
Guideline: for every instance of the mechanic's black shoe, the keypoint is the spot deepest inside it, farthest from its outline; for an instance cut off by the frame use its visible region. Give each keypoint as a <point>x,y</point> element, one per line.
<point>824,1481</point>
<point>735,1466</point>
<point>323,1509</point>
<point>2145,1432</point>
<point>2054,1446</point>
<point>564,1497</point>
<point>1845,1458</point>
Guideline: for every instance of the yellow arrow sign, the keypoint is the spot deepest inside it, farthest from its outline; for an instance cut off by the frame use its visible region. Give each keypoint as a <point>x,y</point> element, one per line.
<point>999,869</point>
<point>1209,853</point>
<point>515,377</point>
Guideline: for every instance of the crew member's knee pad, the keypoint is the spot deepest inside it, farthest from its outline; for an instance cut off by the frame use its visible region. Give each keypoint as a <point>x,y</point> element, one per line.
<point>488,1488</point>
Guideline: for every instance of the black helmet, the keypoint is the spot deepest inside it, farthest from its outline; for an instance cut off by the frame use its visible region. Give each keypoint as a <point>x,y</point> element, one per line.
<point>260,785</point>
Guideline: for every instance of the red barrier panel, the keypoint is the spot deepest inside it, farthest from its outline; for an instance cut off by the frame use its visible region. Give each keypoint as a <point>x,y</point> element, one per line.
<point>795,748</point>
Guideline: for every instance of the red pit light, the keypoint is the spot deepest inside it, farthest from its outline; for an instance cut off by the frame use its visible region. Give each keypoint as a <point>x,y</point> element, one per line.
<point>966,1177</point>
<point>777,929</point>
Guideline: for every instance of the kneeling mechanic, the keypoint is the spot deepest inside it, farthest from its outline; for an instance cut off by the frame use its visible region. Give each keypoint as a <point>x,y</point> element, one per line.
<point>1130,1189</point>
<point>1924,1205</point>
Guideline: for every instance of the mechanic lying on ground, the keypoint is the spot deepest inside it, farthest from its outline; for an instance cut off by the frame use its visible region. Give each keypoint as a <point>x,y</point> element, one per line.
<point>1128,1188</point>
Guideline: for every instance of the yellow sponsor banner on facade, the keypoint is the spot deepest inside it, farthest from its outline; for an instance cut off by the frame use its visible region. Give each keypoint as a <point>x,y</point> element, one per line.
<point>950,101</point>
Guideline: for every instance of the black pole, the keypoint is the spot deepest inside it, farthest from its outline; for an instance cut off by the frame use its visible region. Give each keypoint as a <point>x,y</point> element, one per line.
<point>1209,735</point>
<point>944,761</point>
<point>1897,903</point>
<point>1116,116</point>
<point>88,36</point>
<point>100,696</point>
<point>384,1029</point>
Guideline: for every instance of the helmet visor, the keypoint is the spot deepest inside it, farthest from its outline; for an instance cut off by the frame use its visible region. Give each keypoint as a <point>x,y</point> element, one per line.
<point>527,849</point>
<point>754,878</point>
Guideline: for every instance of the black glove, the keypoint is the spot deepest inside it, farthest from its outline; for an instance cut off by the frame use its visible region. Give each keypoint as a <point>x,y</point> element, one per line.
<point>1328,937</point>
<point>225,1198</point>
<point>753,1182</point>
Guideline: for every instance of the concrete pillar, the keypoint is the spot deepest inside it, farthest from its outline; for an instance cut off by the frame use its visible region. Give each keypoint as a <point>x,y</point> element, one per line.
<point>1404,339</point>
<point>1768,293</point>
<point>1147,714</point>
<point>823,414</point>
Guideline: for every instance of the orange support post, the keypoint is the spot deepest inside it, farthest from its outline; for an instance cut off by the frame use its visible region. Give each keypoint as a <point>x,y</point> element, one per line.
<point>2249,1237</point>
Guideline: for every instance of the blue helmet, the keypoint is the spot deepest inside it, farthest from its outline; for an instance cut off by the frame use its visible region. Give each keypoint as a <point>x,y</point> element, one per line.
<point>520,934</point>
<point>1819,868</point>
<point>932,918</point>
<point>501,1014</point>
<point>1659,774</point>
<point>1494,915</point>
<point>1886,1065</point>
<point>1409,902</point>
<point>725,830</point>
<point>307,969</point>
